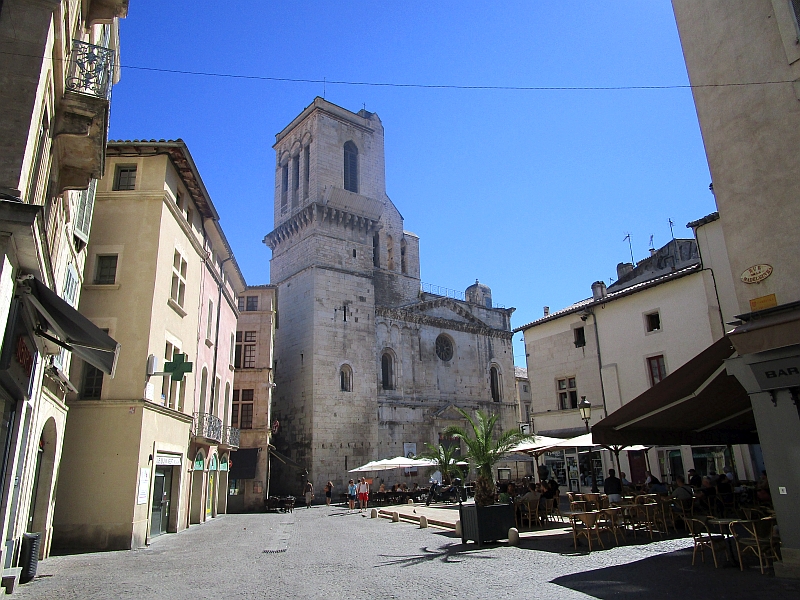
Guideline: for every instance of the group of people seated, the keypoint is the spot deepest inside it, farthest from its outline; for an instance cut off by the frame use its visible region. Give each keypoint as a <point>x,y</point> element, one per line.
<point>399,487</point>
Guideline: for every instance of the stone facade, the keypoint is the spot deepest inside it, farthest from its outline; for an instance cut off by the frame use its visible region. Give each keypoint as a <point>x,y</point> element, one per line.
<point>253,378</point>
<point>357,372</point>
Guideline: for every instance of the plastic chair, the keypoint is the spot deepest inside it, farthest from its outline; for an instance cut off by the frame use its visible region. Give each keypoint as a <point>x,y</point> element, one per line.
<point>585,525</point>
<point>703,539</point>
<point>755,537</point>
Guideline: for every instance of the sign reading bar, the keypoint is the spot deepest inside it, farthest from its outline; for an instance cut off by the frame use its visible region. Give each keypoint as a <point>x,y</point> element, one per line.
<point>777,374</point>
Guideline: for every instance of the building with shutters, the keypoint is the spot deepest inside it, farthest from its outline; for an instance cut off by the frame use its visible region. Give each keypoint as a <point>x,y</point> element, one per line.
<point>249,474</point>
<point>369,365</point>
<point>57,68</point>
<point>150,447</point>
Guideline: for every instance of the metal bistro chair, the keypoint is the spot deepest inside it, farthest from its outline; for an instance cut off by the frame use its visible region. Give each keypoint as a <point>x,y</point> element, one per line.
<point>585,525</point>
<point>755,537</point>
<point>703,539</point>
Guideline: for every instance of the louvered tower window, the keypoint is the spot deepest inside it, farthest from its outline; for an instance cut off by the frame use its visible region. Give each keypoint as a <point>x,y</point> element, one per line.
<point>351,167</point>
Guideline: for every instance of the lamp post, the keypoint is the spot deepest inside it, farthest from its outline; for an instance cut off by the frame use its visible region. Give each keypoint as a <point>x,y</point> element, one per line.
<point>585,409</point>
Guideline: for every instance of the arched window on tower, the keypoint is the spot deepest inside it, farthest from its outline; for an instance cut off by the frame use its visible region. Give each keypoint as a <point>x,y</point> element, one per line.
<point>350,167</point>
<point>389,253</point>
<point>494,381</point>
<point>403,265</point>
<point>346,378</point>
<point>387,371</point>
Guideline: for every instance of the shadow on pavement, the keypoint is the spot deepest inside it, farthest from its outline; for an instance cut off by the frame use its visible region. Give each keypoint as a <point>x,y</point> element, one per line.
<point>671,575</point>
<point>446,553</point>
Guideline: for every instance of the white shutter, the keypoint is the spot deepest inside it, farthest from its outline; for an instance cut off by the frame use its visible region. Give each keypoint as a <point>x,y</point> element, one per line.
<point>83,216</point>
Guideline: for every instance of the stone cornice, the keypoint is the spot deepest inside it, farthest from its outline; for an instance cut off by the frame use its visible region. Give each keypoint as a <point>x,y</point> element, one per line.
<point>414,316</point>
<point>318,213</point>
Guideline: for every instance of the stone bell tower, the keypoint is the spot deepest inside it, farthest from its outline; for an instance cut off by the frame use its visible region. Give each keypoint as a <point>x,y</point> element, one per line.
<point>338,243</point>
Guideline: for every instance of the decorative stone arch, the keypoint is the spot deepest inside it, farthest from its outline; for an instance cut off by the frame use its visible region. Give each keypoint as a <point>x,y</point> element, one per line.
<point>196,512</point>
<point>345,377</point>
<point>42,501</point>
<point>495,382</point>
<point>388,369</point>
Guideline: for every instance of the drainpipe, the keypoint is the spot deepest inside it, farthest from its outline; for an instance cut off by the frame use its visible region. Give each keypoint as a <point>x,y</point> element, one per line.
<point>599,360</point>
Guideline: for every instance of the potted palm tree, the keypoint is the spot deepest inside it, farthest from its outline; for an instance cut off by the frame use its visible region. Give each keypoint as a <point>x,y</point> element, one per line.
<point>485,521</point>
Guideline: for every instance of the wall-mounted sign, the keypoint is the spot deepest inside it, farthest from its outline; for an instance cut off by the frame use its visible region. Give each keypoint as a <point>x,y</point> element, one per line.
<point>166,460</point>
<point>756,273</point>
<point>144,486</point>
<point>777,374</point>
<point>763,302</point>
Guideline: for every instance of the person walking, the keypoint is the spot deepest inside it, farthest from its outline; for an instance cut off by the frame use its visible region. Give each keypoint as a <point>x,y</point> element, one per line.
<point>363,494</point>
<point>309,493</point>
<point>352,494</point>
<point>328,492</point>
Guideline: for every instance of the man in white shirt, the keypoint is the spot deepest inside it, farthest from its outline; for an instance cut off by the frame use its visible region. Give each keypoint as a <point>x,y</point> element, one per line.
<point>363,493</point>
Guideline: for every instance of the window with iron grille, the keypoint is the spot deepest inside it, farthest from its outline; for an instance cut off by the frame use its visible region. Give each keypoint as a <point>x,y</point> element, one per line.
<point>125,178</point>
<point>106,271</point>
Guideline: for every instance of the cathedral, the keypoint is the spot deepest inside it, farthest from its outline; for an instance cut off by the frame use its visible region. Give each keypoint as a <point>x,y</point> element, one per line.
<point>368,365</point>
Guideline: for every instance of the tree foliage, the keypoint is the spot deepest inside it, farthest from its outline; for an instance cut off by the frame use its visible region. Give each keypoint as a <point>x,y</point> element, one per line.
<point>483,450</point>
<point>446,458</point>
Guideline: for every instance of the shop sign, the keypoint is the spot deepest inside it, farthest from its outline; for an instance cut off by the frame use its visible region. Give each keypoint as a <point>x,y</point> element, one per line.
<point>144,486</point>
<point>756,273</point>
<point>168,460</point>
<point>763,302</point>
<point>777,374</point>
<point>199,462</point>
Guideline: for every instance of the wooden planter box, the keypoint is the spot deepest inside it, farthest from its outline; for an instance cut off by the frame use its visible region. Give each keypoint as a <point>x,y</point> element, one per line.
<point>486,523</point>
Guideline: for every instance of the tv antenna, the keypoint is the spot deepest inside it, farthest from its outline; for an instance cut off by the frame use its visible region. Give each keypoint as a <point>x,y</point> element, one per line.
<point>671,232</point>
<point>630,245</point>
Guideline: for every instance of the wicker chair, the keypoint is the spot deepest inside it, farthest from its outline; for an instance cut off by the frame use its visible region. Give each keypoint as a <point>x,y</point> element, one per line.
<point>703,539</point>
<point>585,525</point>
<point>612,521</point>
<point>755,537</point>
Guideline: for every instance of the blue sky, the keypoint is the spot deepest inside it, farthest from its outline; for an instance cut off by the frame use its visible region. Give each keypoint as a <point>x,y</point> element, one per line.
<point>532,192</point>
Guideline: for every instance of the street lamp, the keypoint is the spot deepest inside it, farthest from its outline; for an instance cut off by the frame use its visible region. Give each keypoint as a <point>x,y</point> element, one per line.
<point>585,409</point>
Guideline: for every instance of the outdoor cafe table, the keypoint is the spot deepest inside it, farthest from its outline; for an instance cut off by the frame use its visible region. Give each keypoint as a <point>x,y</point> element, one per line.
<point>724,528</point>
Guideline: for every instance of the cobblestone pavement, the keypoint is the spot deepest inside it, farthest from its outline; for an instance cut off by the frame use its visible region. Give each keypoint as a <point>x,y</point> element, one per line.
<point>329,553</point>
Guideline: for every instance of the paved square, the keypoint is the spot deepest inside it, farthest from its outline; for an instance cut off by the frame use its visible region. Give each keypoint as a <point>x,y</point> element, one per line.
<point>329,553</point>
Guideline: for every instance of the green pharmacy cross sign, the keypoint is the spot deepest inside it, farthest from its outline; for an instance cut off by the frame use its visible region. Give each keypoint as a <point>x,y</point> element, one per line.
<point>178,367</point>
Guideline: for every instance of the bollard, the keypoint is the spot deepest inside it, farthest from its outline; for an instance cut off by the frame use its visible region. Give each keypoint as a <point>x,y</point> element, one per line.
<point>513,537</point>
<point>373,514</point>
<point>423,522</point>
<point>410,501</point>
<point>395,517</point>
<point>458,528</point>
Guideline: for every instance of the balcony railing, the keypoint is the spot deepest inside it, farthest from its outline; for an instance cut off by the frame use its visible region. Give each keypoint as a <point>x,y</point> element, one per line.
<point>90,70</point>
<point>207,426</point>
<point>231,437</point>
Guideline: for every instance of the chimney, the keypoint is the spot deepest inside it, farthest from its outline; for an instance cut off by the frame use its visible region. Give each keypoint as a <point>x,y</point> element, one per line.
<point>623,269</point>
<point>598,290</point>
<point>546,311</point>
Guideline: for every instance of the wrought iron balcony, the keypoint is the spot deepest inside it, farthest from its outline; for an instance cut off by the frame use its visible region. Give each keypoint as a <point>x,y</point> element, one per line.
<point>231,437</point>
<point>207,426</point>
<point>90,70</point>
